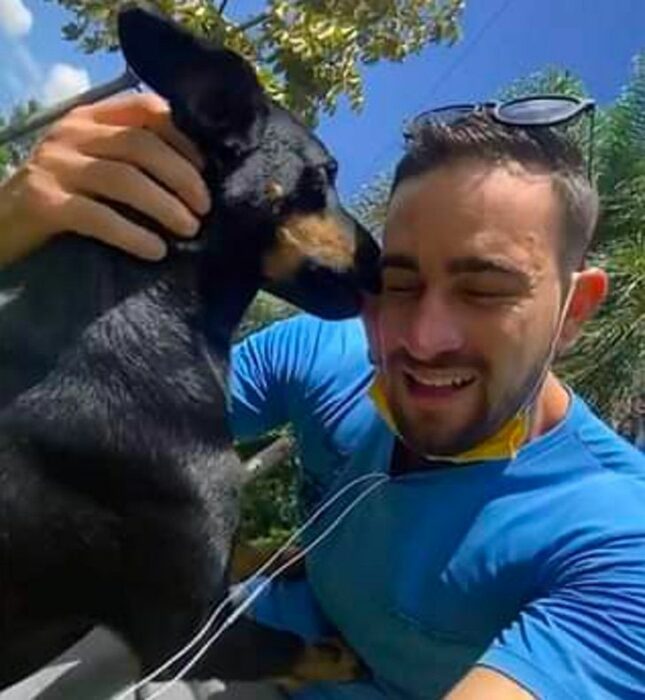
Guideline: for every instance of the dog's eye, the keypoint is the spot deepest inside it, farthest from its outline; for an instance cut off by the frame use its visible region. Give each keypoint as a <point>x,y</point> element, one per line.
<point>331,168</point>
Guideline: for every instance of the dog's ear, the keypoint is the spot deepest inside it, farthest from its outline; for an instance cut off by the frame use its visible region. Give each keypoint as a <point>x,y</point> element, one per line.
<point>214,93</point>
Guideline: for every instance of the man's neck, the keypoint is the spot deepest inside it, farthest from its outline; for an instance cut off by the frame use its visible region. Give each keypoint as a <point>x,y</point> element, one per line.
<point>550,407</point>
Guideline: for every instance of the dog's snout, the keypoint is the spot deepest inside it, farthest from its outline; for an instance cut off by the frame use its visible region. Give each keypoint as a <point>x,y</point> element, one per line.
<point>328,239</point>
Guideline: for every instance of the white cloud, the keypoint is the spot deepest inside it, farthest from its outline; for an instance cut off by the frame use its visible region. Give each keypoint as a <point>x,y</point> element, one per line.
<point>15,18</point>
<point>64,81</point>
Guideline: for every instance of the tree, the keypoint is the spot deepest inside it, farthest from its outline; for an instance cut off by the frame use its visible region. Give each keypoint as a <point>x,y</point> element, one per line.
<point>607,365</point>
<point>12,154</point>
<point>549,81</point>
<point>621,140</point>
<point>308,52</point>
<point>370,205</point>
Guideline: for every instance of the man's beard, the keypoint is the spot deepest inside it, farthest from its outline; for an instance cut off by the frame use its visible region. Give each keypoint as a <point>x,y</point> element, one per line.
<point>487,420</point>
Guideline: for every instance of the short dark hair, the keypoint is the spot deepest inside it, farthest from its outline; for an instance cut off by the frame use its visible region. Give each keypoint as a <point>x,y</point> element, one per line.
<point>478,136</point>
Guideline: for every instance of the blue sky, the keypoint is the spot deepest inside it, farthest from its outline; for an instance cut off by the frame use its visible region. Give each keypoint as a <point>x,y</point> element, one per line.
<point>502,40</point>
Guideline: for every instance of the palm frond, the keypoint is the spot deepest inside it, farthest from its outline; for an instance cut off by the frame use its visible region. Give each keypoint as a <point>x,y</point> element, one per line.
<point>607,365</point>
<point>620,137</point>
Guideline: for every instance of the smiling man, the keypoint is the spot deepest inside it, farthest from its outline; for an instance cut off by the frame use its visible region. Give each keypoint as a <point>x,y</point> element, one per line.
<point>504,557</point>
<point>495,547</point>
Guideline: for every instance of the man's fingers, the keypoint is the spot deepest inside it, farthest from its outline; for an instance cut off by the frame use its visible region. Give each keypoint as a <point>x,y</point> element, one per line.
<point>146,111</point>
<point>125,150</point>
<point>126,184</point>
<point>145,150</point>
<point>180,142</point>
<point>95,220</point>
<point>119,182</point>
<point>128,110</point>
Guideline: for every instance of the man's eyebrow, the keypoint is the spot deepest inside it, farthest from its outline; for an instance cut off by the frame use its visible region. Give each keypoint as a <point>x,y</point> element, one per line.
<point>477,264</point>
<point>469,264</point>
<point>397,260</point>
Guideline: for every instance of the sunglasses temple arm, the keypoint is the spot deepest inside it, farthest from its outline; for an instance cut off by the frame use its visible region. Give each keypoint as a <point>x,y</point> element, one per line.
<point>590,163</point>
<point>126,81</point>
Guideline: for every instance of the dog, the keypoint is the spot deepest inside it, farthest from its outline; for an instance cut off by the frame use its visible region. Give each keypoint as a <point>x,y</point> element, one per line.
<point>119,484</point>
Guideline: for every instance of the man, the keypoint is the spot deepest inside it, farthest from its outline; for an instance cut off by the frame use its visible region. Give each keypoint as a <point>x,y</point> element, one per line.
<point>500,551</point>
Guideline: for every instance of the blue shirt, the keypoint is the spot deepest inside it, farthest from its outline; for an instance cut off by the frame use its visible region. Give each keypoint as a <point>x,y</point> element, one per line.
<point>534,567</point>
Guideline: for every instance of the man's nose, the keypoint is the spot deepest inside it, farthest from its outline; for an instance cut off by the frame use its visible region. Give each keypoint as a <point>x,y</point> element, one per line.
<point>434,328</point>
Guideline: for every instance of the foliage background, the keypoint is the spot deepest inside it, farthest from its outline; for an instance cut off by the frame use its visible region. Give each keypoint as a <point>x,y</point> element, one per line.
<point>309,53</point>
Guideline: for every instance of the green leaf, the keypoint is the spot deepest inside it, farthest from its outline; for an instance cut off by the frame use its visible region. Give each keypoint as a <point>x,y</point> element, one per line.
<point>309,53</point>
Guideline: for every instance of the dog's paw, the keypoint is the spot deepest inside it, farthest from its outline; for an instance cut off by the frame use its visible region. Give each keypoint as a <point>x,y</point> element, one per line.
<point>329,660</point>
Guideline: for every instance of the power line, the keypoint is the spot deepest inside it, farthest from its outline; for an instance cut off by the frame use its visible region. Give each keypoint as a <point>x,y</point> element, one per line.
<point>444,75</point>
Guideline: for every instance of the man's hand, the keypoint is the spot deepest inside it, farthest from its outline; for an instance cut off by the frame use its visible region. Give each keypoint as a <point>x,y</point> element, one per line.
<point>124,150</point>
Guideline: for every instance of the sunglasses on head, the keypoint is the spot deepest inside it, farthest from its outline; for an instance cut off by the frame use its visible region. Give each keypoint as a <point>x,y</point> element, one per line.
<point>525,112</point>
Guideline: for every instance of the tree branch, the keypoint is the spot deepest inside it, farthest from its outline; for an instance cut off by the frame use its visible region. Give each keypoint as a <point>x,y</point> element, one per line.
<point>268,458</point>
<point>253,22</point>
<point>222,7</point>
<point>126,81</point>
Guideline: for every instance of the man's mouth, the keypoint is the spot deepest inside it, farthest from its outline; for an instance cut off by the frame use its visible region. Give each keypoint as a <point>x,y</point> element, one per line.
<point>428,385</point>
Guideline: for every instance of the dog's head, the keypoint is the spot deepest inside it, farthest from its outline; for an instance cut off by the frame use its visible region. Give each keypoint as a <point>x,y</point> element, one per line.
<point>269,176</point>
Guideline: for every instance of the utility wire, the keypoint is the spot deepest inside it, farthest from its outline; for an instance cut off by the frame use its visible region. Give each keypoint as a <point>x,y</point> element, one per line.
<point>443,76</point>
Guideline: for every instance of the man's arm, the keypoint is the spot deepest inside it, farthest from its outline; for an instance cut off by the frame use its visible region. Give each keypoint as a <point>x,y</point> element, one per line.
<point>267,368</point>
<point>486,684</point>
<point>583,636</point>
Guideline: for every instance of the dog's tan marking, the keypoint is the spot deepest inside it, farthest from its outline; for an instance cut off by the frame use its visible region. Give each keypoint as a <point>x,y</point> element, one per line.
<point>320,237</point>
<point>274,191</point>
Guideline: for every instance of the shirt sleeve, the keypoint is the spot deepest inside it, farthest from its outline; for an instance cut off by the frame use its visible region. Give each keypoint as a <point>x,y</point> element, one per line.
<point>585,638</point>
<point>285,604</point>
<point>265,368</point>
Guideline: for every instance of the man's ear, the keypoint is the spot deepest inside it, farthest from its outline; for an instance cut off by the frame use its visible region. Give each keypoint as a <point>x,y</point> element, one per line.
<point>589,292</point>
<point>214,92</point>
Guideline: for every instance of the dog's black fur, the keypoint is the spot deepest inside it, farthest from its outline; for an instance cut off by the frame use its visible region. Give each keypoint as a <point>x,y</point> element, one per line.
<point>118,482</point>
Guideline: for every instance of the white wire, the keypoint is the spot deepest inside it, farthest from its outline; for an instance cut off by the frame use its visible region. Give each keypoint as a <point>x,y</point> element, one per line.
<point>205,627</point>
<point>260,589</point>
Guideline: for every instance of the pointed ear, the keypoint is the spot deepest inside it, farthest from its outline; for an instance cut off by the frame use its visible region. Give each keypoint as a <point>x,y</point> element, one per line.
<point>215,91</point>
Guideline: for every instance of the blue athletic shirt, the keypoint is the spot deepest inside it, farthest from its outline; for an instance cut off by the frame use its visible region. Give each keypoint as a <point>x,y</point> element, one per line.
<point>534,567</point>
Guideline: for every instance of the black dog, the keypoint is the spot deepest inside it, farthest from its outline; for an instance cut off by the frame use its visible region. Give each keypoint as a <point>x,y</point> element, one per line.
<point>118,483</point>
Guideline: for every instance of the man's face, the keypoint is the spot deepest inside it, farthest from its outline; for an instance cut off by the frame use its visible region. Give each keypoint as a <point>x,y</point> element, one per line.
<point>471,300</point>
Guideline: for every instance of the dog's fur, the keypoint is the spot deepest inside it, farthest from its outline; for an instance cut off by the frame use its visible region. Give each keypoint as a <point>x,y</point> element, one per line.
<point>118,481</point>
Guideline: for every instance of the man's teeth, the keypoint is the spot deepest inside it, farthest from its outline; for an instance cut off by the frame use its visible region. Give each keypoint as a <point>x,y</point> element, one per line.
<point>454,380</point>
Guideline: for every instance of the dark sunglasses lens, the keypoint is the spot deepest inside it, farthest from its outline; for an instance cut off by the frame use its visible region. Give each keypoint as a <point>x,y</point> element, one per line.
<point>539,111</point>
